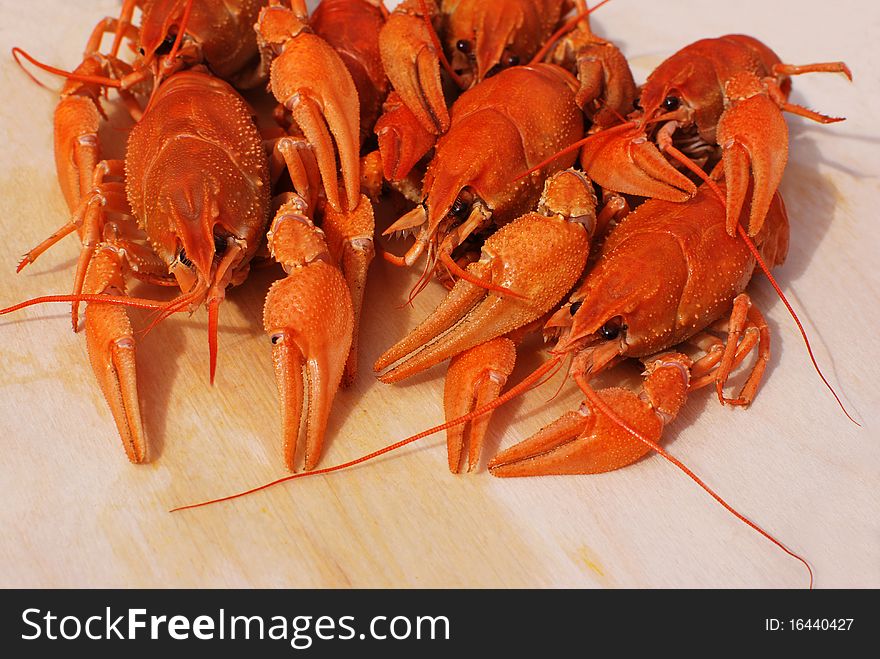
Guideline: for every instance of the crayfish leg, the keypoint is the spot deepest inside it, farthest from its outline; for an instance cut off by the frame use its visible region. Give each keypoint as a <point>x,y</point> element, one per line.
<point>746,331</point>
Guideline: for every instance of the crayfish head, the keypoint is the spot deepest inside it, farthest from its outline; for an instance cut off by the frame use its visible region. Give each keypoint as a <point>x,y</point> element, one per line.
<point>469,179</point>
<point>593,349</point>
<point>208,285</point>
<point>161,23</point>
<point>586,335</point>
<point>456,202</point>
<point>443,235</point>
<point>629,299</point>
<point>484,39</point>
<point>684,89</point>
<point>203,252</point>
<point>190,231</point>
<point>467,213</point>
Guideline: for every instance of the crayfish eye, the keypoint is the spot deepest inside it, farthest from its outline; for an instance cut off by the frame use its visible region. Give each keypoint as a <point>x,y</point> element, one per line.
<point>460,208</point>
<point>220,244</point>
<point>612,329</point>
<point>671,103</point>
<point>275,338</point>
<point>464,46</point>
<point>167,44</point>
<point>574,308</point>
<point>513,60</point>
<point>637,104</point>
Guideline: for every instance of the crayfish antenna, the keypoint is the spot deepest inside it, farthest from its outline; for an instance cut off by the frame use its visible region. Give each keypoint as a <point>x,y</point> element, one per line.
<point>571,147</point>
<point>687,162</point>
<point>461,273</point>
<point>567,27</point>
<point>97,80</point>
<point>526,384</point>
<point>140,303</point>
<point>180,303</point>
<point>794,315</point>
<point>602,406</point>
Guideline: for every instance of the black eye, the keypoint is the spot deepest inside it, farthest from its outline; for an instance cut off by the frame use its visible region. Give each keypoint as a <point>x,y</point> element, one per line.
<point>220,244</point>
<point>612,329</point>
<point>671,103</point>
<point>275,339</point>
<point>182,258</point>
<point>166,45</point>
<point>513,60</point>
<point>573,309</point>
<point>637,105</point>
<point>463,45</point>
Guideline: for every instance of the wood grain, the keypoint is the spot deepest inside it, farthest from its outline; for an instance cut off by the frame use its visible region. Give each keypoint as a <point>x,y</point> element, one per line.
<point>75,513</point>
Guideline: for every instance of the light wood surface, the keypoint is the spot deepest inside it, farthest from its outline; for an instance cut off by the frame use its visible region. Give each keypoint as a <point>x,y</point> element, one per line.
<point>76,513</point>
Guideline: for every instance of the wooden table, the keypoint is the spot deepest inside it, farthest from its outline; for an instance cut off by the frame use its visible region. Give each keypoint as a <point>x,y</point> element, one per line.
<point>76,513</point>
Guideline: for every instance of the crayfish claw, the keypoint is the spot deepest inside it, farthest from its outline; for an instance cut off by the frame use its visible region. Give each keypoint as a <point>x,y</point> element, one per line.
<point>475,378</point>
<point>471,314</point>
<point>592,440</point>
<point>350,240</point>
<point>412,64</point>
<point>403,139</point>
<point>309,319</point>
<point>111,347</point>
<point>309,77</point>
<point>754,138</point>
<point>624,160</point>
<point>583,442</point>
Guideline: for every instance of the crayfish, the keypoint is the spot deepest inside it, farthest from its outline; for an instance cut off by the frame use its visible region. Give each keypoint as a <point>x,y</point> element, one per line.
<point>622,223</point>
<point>189,205</point>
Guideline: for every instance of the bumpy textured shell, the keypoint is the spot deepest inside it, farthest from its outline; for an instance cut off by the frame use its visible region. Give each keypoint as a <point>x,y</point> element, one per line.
<point>670,269</point>
<point>194,161</point>
<point>223,28</point>
<point>352,28</point>
<point>505,126</point>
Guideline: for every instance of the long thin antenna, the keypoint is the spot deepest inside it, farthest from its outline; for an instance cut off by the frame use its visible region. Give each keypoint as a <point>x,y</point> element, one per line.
<point>687,162</point>
<point>596,400</point>
<point>513,392</point>
<point>97,80</point>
